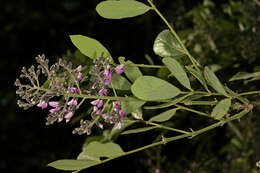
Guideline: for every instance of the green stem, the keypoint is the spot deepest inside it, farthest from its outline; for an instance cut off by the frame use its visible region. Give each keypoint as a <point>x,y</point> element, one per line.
<point>191,134</point>
<point>192,110</point>
<point>147,66</point>
<point>165,127</point>
<point>193,60</point>
<point>249,93</point>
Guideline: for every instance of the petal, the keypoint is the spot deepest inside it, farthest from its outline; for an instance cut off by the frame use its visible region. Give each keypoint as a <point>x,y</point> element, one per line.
<point>54,104</point>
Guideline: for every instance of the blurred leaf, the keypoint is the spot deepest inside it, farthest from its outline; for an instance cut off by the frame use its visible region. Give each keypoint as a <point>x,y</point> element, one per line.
<point>121,9</point>
<point>151,88</point>
<point>120,83</point>
<point>132,72</point>
<point>166,45</point>
<point>177,71</point>
<point>89,46</point>
<point>131,106</point>
<point>165,116</point>
<point>72,165</point>
<point>213,81</point>
<point>244,75</point>
<point>221,109</point>
<point>139,130</point>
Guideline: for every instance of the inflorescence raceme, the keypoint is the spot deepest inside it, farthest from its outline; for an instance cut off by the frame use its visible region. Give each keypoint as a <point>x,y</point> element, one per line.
<point>64,81</point>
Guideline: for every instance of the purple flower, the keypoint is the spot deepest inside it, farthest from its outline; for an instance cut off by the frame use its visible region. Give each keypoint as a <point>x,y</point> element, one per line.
<point>119,125</point>
<point>68,116</point>
<point>73,102</point>
<point>120,69</point>
<point>80,76</point>
<point>104,116</point>
<point>43,104</point>
<point>122,114</point>
<point>116,105</point>
<point>54,104</point>
<point>108,73</point>
<point>79,68</point>
<point>54,110</point>
<point>107,82</point>
<point>96,110</point>
<point>100,125</point>
<point>98,103</point>
<point>103,92</point>
<point>73,90</point>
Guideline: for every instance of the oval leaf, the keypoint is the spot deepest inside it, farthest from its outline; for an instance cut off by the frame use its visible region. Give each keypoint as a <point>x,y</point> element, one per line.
<point>221,109</point>
<point>165,116</point>
<point>72,165</point>
<point>132,72</point>
<point>89,46</point>
<point>177,71</point>
<point>213,81</point>
<point>121,9</point>
<point>139,130</point>
<point>198,75</point>
<point>166,45</point>
<point>120,83</point>
<point>131,106</point>
<point>96,149</point>
<point>151,88</point>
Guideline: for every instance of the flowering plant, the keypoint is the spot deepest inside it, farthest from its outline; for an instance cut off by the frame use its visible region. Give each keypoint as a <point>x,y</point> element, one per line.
<point>119,93</point>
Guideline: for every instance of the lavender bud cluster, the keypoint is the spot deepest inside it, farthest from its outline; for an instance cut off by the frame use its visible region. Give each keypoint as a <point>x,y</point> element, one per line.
<point>63,82</point>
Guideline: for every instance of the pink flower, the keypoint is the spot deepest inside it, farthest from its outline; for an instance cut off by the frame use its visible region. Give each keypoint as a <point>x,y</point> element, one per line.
<point>108,73</point>
<point>104,116</point>
<point>107,82</point>
<point>43,104</point>
<point>73,90</point>
<point>54,110</point>
<point>120,69</point>
<point>96,110</point>
<point>54,104</point>
<point>103,92</point>
<point>122,114</point>
<point>79,68</point>
<point>73,102</point>
<point>98,103</point>
<point>80,76</point>
<point>116,105</point>
<point>157,170</point>
<point>68,116</point>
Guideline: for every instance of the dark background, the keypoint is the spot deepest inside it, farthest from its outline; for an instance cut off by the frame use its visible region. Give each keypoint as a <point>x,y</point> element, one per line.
<point>29,28</point>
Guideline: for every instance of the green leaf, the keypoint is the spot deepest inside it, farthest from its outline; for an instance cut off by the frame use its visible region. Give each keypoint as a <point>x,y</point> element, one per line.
<point>221,109</point>
<point>72,165</point>
<point>213,81</point>
<point>89,46</point>
<point>121,9</point>
<point>177,71</point>
<point>232,93</point>
<point>151,88</point>
<point>132,72</point>
<point>139,130</point>
<point>120,83</point>
<point>165,116</point>
<point>96,149</point>
<point>131,106</point>
<point>198,75</point>
<point>166,45</point>
<point>244,76</point>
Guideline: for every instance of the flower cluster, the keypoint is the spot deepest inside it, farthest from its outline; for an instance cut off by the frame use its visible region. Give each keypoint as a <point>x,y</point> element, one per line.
<point>59,92</point>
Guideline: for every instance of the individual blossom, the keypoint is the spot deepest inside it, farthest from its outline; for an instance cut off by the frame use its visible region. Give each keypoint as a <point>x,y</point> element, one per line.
<point>73,102</point>
<point>80,76</point>
<point>120,69</point>
<point>54,104</point>
<point>68,116</point>
<point>79,68</point>
<point>73,90</point>
<point>103,92</point>
<point>43,104</point>
<point>98,103</point>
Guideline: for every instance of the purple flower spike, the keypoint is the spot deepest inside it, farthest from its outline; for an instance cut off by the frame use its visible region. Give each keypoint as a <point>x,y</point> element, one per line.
<point>80,76</point>
<point>120,69</point>
<point>54,104</point>
<point>122,114</point>
<point>104,116</point>
<point>107,82</point>
<point>73,102</point>
<point>54,110</point>
<point>43,104</point>
<point>68,116</point>
<point>103,92</point>
<point>79,68</point>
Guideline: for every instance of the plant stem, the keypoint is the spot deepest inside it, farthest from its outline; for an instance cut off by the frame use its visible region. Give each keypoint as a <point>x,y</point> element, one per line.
<point>249,93</point>
<point>147,66</point>
<point>193,60</point>
<point>165,127</point>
